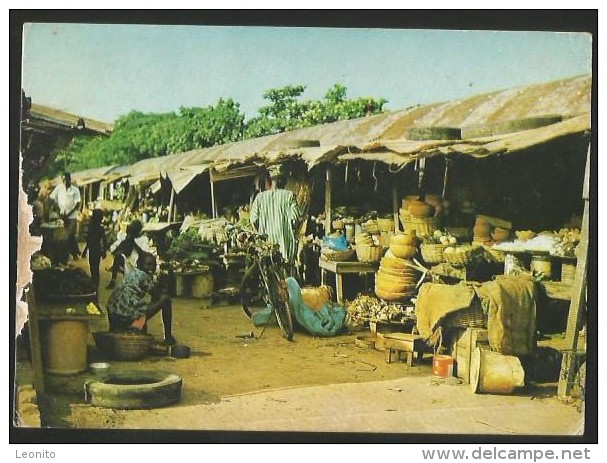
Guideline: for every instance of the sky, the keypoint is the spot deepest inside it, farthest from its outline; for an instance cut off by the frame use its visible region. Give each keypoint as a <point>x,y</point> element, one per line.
<point>103,71</point>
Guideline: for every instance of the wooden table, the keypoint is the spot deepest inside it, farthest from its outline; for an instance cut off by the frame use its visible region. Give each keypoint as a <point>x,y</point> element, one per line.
<point>341,268</point>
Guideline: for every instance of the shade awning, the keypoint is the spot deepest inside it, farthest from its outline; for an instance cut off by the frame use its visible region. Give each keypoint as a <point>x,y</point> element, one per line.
<point>403,151</point>
<point>181,178</point>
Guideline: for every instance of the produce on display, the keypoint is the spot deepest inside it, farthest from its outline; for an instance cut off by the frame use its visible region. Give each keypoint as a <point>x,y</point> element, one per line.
<point>189,244</point>
<point>367,308</point>
<point>57,281</point>
<point>39,261</point>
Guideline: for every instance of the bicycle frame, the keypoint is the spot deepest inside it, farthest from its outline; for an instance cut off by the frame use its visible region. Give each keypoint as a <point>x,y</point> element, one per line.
<point>266,259</point>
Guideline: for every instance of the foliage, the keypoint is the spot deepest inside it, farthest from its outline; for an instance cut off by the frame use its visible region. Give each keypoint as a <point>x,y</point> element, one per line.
<point>139,135</point>
<point>287,113</point>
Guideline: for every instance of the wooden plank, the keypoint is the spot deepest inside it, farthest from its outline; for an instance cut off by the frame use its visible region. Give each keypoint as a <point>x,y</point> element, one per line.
<point>586,188</point>
<point>171,205</point>
<point>233,173</point>
<point>395,206</point>
<point>348,267</point>
<point>328,202</point>
<point>35,342</point>
<point>578,298</point>
<point>213,200</point>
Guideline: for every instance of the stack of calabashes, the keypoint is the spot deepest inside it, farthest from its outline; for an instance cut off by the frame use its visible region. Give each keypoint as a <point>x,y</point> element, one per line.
<point>396,278</point>
<point>368,248</point>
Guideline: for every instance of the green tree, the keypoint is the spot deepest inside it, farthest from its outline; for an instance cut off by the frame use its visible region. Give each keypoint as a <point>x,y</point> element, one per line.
<point>286,112</point>
<point>139,135</point>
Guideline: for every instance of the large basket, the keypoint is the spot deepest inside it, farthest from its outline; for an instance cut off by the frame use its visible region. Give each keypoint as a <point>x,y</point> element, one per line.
<point>371,226</point>
<point>432,253</point>
<point>365,253</point>
<point>464,255</point>
<point>123,346</point>
<point>472,316</point>
<point>385,225</point>
<point>423,226</point>
<point>337,256</point>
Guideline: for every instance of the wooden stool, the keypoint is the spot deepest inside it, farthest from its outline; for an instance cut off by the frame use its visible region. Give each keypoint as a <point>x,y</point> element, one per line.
<point>396,344</point>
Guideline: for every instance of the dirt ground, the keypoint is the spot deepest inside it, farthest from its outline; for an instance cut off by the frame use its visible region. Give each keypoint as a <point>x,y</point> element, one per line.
<point>224,365</point>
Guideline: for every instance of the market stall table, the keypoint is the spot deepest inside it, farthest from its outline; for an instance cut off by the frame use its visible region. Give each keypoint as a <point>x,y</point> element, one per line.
<point>341,268</point>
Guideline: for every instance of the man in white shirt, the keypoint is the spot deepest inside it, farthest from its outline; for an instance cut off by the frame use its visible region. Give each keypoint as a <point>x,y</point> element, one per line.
<point>67,198</point>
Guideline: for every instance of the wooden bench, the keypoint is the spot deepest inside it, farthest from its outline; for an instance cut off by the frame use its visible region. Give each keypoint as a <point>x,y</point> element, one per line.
<point>397,344</point>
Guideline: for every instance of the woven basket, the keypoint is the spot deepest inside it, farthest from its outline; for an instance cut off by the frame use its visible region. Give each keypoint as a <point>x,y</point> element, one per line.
<point>337,256</point>
<point>385,225</point>
<point>130,346</point>
<point>472,316</point>
<point>423,226</point>
<point>433,253</point>
<point>371,226</point>
<point>462,234</point>
<point>365,253</point>
<point>338,224</point>
<point>463,256</point>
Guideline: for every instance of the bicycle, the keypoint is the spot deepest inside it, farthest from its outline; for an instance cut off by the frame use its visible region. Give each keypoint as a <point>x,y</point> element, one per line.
<point>264,281</point>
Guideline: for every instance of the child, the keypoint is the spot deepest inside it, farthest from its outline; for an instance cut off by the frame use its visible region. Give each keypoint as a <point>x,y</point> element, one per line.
<point>95,244</point>
<point>128,247</point>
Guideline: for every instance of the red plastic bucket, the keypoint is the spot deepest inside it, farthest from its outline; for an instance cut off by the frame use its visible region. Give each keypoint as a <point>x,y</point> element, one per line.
<point>442,366</point>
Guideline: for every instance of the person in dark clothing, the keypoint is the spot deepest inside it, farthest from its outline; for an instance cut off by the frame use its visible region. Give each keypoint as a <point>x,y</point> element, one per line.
<point>130,247</point>
<point>127,307</point>
<point>96,244</point>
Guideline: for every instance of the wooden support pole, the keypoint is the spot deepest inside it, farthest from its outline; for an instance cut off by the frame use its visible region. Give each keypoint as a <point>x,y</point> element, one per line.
<point>171,205</point>
<point>213,200</point>
<point>328,202</point>
<point>395,206</point>
<point>578,298</point>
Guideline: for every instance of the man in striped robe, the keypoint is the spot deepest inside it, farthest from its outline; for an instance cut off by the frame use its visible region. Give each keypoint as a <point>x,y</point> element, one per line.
<point>275,213</point>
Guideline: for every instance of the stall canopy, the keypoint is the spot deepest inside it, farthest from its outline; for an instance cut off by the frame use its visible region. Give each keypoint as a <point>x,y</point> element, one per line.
<point>85,177</point>
<point>180,178</point>
<point>492,123</point>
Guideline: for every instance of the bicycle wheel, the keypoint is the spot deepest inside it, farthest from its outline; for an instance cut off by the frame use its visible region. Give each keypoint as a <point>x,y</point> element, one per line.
<point>280,302</point>
<point>250,289</point>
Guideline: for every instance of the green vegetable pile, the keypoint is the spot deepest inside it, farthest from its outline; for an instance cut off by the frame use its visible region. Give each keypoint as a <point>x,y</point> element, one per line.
<point>63,282</point>
<point>190,245</point>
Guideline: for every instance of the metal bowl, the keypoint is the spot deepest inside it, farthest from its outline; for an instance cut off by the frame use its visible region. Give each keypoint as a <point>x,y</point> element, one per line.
<point>99,368</point>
